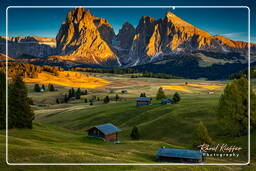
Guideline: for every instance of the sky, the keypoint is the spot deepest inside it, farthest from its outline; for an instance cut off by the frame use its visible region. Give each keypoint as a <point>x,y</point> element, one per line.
<point>45,22</point>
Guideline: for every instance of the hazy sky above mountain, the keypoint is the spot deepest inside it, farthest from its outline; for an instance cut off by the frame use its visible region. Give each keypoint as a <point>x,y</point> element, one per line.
<point>232,23</point>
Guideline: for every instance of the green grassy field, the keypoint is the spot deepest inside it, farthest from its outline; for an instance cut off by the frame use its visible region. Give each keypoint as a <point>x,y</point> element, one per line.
<point>59,133</point>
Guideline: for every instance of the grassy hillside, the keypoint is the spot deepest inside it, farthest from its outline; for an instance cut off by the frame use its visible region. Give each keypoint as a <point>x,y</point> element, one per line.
<point>59,133</point>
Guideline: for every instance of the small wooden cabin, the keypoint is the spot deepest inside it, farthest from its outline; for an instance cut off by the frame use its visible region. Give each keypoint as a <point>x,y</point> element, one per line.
<point>107,132</point>
<point>167,101</point>
<point>179,155</point>
<point>143,101</point>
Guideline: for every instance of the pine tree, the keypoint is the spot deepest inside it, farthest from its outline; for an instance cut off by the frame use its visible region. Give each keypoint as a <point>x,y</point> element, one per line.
<point>66,98</point>
<point>51,87</point>
<point>37,88</point>
<point>20,113</point>
<point>73,92</point>
<point>85,100</point>
<point>160,94</point>
<point>43,87</point>
<point>69,93</point>
<point>201,135</point>
<point>91,103</point>
<point>106,100</point>
<point>117,97</point>
<point>78,93</point>
<point>135,133</point>
<point>2,100</point>
<point>176,97</point>
<point>233,108</point>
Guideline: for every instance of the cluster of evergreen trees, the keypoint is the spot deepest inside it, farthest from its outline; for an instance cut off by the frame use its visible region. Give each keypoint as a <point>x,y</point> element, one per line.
<point>20,114</point>
<point>160,95</point>
<point>72,94</point>
<point>243,73</point>
<point>37,88</point>
<point>155,75</point>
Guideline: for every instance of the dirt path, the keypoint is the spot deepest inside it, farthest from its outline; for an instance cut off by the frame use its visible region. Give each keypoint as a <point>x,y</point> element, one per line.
<point>42,113</point>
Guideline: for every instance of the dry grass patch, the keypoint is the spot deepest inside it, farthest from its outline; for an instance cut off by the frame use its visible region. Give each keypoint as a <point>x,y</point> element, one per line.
<point>70,79</point>
<point>177,87</point>
<point>209,87</point>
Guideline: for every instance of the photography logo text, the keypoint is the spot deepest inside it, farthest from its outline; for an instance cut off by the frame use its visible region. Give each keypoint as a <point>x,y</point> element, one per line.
<point>219,150</point>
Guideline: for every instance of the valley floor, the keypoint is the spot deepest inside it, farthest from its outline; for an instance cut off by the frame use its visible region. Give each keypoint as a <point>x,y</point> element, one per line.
<point>59,133</point>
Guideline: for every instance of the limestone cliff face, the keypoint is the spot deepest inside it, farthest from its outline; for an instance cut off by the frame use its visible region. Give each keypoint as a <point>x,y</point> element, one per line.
<point>31,46</point>
<point>171,35</point>
<point>125,35</point>
<point>85,38</point>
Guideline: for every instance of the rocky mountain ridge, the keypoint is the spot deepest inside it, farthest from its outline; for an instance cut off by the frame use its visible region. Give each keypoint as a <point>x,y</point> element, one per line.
<point>30,46</point>
<point>86,39</point>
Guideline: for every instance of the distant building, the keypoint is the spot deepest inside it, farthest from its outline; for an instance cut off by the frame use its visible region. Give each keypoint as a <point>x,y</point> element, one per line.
<point>107,132</point>
<point>143,101</point>
<point>124,91</point>
<point>167,101</point>
<point>179,155</point>
<point>210,92</point>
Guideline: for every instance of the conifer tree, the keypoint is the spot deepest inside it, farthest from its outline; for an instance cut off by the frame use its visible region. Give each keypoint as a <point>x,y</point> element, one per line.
<point>106,100</point>
<point>201,135</point>
<point>233,108</point>
<point>117,97</point>
<point>20,114</point>
<point>37,88</point>
<point>135,133</point>
<point>43,87</point>
<point>176,97</point>
<point>78,93</point>
<point>160,94</point>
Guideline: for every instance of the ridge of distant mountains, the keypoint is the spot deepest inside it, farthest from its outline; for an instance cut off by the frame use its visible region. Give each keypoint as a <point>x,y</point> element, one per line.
<point>84,39</point>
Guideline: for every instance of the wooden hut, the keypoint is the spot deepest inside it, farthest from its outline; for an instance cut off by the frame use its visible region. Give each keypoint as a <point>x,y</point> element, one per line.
<point>167,101</point>
<point>179,155</point>
<point>107,132</point>
<point>143,101</point>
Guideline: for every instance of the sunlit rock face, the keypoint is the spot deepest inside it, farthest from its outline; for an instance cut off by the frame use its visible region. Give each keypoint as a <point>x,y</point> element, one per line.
<point>85,38</point>
<point>171,35</point>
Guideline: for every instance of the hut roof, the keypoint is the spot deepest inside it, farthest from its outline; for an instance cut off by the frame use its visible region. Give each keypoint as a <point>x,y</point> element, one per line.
<point>143,99</point>
<point>179,153</point>
<point>107,128</point>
